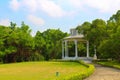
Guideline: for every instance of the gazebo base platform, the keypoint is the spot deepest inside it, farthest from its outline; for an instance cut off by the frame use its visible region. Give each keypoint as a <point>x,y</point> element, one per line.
<point>85,59</point>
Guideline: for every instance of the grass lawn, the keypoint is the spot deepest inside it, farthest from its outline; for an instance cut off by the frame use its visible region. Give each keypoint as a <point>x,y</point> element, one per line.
<point>110,63</point>
<point>39,70</point>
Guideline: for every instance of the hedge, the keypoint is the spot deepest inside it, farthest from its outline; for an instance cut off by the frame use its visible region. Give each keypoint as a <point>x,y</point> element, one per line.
<point>81,76</point>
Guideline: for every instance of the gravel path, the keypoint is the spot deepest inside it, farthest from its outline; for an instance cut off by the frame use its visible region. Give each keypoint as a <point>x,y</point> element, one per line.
<point>105,73</point>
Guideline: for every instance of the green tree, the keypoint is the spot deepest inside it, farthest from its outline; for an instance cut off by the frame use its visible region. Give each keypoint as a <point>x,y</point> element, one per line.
<point>39,43</point>
<point>94,32</point>
<point>84,29</point>
<point>52,48</point>
<point>17,43</point>
<point>25,43</point>
<point>109,48</point>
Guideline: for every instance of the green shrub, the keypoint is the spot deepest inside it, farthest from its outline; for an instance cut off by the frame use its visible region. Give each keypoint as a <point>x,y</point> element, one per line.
<point>78,76</point>
<point>110,64</point>
<point>81,76</point>
<point>36,57</point>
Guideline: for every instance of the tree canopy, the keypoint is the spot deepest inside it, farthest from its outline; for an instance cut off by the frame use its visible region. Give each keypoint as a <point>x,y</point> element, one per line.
<point>104,36</point>
<point>17,44</point>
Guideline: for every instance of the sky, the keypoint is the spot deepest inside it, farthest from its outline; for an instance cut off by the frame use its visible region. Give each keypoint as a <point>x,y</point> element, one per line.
<point>41,15</point>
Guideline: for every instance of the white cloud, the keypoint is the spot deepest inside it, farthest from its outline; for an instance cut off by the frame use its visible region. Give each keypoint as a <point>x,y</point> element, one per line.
<point>51,8</point>
<point>103,5</point>
<point>47,6</point>
<point>36,20</point>
<point>31,5</point>
<point>106,6</point>
<point>5,22</point>
<point>56,9</point>
<point>76,3</point>
<point>14,4</point>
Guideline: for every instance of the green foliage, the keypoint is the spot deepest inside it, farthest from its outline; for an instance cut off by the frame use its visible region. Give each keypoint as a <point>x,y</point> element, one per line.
<point>36,57</point>
<point>110,64</point>
<point>103,36</point>
<point>110,46</point>
<point>81,76</point>
<point>49,43</point>
<point>94,32</point>
<point>17,44</point>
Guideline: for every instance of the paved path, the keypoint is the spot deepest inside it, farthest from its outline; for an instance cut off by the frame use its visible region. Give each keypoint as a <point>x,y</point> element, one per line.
<point>105,73</point>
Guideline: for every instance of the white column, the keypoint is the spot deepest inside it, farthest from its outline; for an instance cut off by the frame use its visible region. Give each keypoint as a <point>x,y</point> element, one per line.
<point>62,49</point>
<point>76,49</point>
<point>66,48</point>
<point>87,48</point>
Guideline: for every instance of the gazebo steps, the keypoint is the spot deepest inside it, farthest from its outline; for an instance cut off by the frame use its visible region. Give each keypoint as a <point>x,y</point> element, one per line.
<point>85,59</point>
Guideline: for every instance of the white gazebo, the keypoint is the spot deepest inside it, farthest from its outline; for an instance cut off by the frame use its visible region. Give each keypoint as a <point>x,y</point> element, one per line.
<point>75,37</point>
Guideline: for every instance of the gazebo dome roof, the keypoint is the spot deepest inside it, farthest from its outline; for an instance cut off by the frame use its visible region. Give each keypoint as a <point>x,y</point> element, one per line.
<point>75,36</point>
